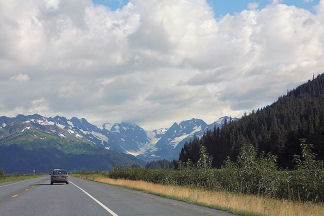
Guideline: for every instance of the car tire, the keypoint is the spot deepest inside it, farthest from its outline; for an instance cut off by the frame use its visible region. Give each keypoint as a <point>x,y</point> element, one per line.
<point>51,183</point>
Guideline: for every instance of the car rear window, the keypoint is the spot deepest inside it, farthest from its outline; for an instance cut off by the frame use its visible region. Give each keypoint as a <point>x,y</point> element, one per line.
<point>59,172</point>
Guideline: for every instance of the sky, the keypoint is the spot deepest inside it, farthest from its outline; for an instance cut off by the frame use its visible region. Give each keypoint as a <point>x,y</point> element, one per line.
<point>155,62</point>
<point>223,7</point>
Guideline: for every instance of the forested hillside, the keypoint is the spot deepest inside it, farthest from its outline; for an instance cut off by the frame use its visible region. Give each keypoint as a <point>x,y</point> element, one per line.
<point>31,148</point>
<point>276,128</point>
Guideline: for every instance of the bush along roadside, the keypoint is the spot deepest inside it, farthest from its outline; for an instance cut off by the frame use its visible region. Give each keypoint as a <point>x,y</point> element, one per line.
<point>2,173</point>
<point>249,174</point>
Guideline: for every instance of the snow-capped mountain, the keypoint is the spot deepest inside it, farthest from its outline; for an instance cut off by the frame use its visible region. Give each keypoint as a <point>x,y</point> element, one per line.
<point>222,120</point>
<point>121,137</point>
<point>59,126</point>
<point>155,135</point>
<point>36,142</point>
<point>172,141</point>
<point>126,137</point>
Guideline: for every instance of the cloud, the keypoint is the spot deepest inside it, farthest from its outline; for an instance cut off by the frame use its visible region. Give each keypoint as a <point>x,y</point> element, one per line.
<point>152,62</point>
<point>20,78</point>
<point>253,5</point>
<point>52,4</point>
<point>277,1</point>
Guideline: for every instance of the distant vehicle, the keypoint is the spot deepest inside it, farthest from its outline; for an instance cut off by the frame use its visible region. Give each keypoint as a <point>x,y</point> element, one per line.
<point>59,176</point>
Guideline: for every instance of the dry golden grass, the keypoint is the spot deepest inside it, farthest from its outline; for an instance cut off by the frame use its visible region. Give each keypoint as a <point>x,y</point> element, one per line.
<point>240,202</point>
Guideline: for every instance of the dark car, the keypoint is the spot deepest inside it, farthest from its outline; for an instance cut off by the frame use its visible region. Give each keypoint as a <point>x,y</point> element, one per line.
<point>59,176</point>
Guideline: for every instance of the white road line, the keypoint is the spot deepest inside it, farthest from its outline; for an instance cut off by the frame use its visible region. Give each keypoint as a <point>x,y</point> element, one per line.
<point>97,201</point>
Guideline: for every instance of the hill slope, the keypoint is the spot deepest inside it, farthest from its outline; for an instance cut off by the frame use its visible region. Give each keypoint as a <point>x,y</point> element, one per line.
<point>25,146</point>
<point>276,128</point>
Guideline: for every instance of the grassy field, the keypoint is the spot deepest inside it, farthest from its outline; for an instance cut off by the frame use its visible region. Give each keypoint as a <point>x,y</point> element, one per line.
<point>236,203</point>
<point>17,177</point>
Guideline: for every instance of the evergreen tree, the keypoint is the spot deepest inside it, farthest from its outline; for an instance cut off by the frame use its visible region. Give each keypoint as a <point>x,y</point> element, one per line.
<point>274,129</point>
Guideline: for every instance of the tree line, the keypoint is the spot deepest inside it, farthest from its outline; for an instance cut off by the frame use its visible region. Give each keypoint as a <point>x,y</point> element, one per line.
<point>274,129</point>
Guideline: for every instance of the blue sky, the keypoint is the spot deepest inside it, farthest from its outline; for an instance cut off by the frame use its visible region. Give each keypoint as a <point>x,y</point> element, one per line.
<point>222,7</point>
<point>113,4</point>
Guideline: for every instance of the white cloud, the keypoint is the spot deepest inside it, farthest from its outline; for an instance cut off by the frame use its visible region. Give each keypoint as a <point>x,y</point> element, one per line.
<point>153,62</point>
<point>38,106</point>
<point>253,5</point>
<point>52,4</point>
<point>20,78</point>
<point>277,1</point>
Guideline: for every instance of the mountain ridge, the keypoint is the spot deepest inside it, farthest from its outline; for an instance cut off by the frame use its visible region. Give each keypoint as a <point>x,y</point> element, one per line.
<point>121,137</point>
<point>27,145</point>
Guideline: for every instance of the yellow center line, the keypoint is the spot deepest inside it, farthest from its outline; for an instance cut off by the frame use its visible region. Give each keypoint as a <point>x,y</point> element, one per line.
<point>16,195</point>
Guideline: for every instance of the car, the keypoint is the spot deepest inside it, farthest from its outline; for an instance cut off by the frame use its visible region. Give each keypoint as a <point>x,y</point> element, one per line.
<point>59,176</point>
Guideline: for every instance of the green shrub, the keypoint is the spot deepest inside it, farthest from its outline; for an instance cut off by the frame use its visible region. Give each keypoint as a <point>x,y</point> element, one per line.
<point>250,174</point>
<point>2,173</point>
<point>307,181</point>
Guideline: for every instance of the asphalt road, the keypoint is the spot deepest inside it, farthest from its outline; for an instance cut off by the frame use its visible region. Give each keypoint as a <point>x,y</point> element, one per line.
<point>36,197</point>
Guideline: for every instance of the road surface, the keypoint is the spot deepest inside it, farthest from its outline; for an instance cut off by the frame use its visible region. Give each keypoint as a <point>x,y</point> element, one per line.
<point>36,197</point>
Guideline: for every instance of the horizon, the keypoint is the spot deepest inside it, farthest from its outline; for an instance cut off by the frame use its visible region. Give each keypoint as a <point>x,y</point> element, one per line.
<point>158,62</point>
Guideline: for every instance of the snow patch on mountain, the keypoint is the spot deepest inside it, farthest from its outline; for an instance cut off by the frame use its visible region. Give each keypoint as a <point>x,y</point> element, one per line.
<point>174,142</point>
<point>78,136</point>
<point>45,122</point>
<point>155,135</point>
<point>100,136</point>
<point>70,123</point>
<point>26,128</point>
<point>70,131</point>
<point>133,153</point>
<point>160,131</point>
<point>60,126</point>
<point>227,119</point>
<point>152,137</point>
<point>107,126</point>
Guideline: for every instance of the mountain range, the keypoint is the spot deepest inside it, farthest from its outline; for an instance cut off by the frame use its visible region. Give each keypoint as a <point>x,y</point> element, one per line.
<point>37,143</point>
<point>79,137</point>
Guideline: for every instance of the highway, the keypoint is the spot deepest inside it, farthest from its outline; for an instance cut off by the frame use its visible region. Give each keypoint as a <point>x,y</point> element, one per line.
<point>36,197</point>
